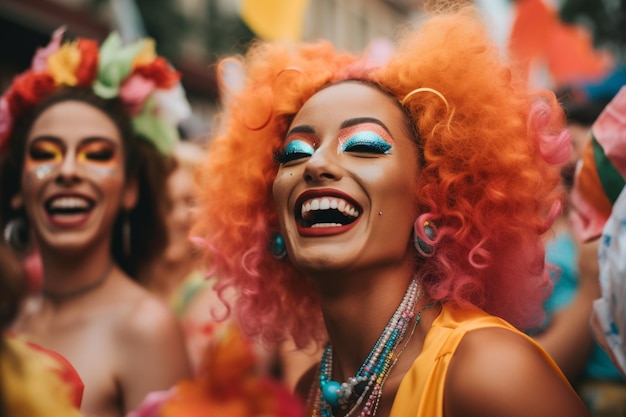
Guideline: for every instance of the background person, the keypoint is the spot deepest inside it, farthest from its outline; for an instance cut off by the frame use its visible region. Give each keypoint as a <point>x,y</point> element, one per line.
<point>86,137</point>
<point>597,207</point>
<point>566,334</point>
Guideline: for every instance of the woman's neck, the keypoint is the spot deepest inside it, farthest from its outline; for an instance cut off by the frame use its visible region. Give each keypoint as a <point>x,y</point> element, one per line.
<point>376,332</point>
<point>356,311</point>
<point>67,275</point>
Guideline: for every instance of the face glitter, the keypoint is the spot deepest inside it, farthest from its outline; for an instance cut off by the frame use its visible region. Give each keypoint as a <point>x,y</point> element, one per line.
<point>43,171</point>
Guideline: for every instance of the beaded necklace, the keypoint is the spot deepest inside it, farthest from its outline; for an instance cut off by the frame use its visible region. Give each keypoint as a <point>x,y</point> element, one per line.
<point>374,371</point>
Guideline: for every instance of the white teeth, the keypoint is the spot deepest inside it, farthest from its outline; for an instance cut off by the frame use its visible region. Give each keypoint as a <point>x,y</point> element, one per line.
<point>326,225</point>
<point>327,203</point>
<point>69,203</point>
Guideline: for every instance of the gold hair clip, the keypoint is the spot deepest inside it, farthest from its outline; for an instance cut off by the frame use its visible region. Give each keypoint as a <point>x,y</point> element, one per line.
<point>425,89</point>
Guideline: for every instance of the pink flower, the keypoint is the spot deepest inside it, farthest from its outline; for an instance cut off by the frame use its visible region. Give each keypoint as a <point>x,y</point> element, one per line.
<point>134,92</point>
<point>40,60</point>
<point>151,405</point>
<point>6,121</point>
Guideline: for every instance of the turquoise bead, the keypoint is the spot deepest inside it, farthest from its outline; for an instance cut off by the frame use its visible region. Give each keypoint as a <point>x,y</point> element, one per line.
<point>330,392</point>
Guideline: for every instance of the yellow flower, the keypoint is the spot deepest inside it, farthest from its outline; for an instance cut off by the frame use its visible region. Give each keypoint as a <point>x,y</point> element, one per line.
<point>63,63</point>
<point>146,55</point>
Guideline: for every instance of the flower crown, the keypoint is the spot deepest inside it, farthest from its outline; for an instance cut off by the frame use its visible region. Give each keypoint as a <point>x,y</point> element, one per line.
<point>145,83</point>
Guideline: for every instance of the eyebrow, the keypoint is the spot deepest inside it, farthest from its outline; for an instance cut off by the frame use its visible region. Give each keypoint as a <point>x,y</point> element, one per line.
<point>47,139</point>
<point>345,124</point>
<point>83,141</point>
<point>301,129</point>
<point>361,120</point>
<point>91,139</point>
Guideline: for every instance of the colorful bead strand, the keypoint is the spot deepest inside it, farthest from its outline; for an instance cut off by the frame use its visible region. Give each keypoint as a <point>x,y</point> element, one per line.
<point>373,372</point>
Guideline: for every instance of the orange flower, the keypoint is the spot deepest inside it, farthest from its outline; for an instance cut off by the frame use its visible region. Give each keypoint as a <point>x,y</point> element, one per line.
<point>229,385</point>
<point>88,67</point>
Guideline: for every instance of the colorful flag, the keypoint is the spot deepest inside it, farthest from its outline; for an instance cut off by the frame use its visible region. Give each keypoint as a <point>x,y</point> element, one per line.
<point>275,19</point>
<point>540,38</point>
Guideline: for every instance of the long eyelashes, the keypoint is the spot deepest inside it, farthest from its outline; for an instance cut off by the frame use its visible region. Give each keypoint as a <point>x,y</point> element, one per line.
<point>296,149</point>
<point>96,157</point>
<point>45,152</point>
<point>98,153</point>
<point>366,138</point>
<point>365,142</point>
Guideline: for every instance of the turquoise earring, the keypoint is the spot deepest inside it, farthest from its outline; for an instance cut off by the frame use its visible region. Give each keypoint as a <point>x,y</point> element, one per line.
<point>278,248</point>
<point>430,231</point>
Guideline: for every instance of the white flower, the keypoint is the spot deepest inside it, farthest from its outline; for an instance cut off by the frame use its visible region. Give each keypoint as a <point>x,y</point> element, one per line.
<point>172,104</point>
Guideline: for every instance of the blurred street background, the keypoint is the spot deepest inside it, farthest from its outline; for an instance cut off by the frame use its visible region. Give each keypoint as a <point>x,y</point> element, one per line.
<point>573,45</point>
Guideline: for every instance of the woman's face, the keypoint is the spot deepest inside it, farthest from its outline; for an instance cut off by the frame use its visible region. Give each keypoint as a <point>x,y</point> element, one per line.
<point>181,186</point>
<point>345,189</point>
<point>73,182</point>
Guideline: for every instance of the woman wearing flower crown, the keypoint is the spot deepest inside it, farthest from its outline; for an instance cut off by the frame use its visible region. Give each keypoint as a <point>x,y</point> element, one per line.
<point>85,136</point>
<point>395,211</point>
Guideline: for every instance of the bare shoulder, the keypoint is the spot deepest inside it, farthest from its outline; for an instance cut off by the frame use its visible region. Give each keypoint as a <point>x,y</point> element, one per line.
<point>151,353</point>
<point>497,372</point>
<point>147,319</point>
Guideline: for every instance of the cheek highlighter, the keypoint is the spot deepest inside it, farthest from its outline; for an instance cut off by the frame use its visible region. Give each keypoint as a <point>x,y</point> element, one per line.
<point>98,158</point>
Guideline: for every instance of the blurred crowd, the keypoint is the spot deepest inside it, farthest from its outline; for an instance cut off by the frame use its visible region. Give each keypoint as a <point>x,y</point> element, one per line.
<point>109,302</point>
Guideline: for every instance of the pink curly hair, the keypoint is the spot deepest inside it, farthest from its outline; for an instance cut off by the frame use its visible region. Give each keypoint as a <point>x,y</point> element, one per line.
<point>489,179</point>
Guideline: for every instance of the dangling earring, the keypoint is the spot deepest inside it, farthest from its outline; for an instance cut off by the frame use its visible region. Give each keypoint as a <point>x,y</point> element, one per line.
<point>126,235</point>
<point>430,231</point>
<point>16,234</point>
<point>278,248</point>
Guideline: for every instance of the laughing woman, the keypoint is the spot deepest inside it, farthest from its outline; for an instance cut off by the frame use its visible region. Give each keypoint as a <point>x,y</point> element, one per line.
<point>84,145</point>
<point>395,212</point>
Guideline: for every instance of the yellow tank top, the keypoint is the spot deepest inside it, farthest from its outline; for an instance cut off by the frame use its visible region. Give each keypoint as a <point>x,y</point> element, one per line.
<point>421,391</point>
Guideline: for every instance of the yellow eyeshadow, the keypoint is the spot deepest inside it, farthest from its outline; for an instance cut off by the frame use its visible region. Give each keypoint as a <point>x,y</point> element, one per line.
<point>96,153</point>
<point>45,152</point>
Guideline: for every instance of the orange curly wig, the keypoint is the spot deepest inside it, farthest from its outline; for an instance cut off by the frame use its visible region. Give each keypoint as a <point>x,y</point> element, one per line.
<point>489,180</point>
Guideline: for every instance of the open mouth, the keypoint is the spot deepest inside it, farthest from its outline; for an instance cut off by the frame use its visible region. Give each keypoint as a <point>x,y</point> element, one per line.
<point>68,206</point>
<point>327,211</point>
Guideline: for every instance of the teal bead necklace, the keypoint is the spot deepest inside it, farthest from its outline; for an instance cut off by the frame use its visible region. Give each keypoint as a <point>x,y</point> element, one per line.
<point>374,371</point>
